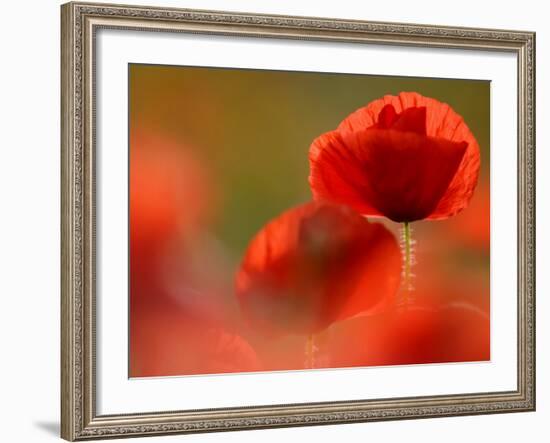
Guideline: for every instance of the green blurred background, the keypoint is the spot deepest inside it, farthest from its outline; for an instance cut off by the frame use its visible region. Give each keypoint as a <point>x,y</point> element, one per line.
<point>254,128</point>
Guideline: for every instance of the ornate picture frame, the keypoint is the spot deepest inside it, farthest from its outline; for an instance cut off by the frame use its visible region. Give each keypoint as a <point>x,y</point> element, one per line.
<point>80,23</point>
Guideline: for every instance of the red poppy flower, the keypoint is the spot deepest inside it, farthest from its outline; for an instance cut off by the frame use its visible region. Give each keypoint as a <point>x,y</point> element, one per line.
<point>404,157</point>
<point>431,331</point>
<point>170,196</point>
<point>313,265</point>
<point>472,228</point>
<point>416,336</point>
<point>447,317</point>
<point>170,188</point>
<point>166,340</point>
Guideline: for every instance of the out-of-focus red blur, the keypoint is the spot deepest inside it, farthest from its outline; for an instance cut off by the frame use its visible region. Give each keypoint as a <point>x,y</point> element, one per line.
<point>179,323</point>
<point>214,155</point>
<point>184,318</point>
<point>313,265</point>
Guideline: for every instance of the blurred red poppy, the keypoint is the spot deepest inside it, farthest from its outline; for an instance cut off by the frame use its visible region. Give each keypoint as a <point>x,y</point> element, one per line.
<point>170,195</point>
<point>433,330</point>
<point>447,319</point>
<point>472,228</point>
<point>167,340</point>
<point>404,157</point>
<point>313,265</point>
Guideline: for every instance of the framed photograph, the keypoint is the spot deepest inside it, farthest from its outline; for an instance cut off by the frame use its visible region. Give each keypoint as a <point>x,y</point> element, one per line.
<point>282,221</point>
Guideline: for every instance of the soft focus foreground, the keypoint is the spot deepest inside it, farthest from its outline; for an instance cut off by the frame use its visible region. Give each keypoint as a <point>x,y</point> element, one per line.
<point>219,209</point>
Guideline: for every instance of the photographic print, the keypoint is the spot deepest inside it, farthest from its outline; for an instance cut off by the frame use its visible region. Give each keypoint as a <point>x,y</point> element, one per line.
<point>273,221</point>
<point>286,220</point>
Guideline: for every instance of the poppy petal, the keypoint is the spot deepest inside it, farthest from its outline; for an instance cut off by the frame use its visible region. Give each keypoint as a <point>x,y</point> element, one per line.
<point>386,118</point>
<point>402,175</point>
<point>461,189</point>
<point>170,341</point>
<point>428,332</point>
<point>441,122</point>
<point>378,273</point>
<point>410,120</point>
<point>314,264</point>
<point>335,176</point>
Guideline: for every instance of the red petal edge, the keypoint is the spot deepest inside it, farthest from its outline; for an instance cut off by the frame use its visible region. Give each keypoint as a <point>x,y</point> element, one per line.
<point>441,121</point>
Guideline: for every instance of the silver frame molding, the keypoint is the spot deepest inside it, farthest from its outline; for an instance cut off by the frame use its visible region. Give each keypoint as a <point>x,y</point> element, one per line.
<point>79,23</point>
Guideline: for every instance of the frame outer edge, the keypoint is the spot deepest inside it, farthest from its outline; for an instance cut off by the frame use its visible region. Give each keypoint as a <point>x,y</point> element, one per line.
<point>534,197</point>
<point>532,225</point>
<point>526,222</point>
<point>78,419</point>
<point>68,425</point>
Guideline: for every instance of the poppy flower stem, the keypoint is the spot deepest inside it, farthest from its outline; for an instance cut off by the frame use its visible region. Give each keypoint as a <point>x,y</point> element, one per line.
<point>407,248</point>
<point>310,352</point>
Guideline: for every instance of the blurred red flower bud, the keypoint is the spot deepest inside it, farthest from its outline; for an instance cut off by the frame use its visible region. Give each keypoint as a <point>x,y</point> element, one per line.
<point>166,340</point>
<point>427,332</point>
<point>315,264</point>
<point>170,195</point>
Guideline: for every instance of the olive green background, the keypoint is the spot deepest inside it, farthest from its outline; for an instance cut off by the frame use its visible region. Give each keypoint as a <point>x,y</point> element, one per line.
<point>255,127</point>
